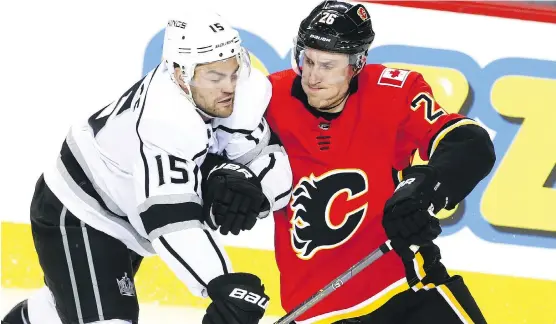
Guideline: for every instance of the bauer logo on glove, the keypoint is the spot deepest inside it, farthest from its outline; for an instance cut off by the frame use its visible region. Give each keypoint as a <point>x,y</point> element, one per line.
<point>250,297</point>
<point>235,167</point>
<point>232,198</point>
<point>237,298</point>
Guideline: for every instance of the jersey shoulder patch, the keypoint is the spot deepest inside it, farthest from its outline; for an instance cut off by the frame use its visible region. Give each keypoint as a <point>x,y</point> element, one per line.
<point>393,77</point>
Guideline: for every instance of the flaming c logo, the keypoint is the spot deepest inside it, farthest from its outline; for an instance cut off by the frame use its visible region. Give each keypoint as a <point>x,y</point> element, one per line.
<point>362,13</point>
<point>326,210</point>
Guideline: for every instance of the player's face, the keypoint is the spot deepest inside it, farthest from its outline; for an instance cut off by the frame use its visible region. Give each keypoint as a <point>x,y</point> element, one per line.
<point>325,78</point>
<point>213,87</point>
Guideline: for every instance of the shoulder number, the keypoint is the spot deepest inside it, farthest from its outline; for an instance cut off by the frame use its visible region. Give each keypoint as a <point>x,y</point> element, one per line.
<point>177,172</point>
<point>426,101</point>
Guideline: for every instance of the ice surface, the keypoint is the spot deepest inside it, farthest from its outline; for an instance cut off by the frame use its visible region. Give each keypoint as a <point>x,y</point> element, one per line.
<point>149,313</point>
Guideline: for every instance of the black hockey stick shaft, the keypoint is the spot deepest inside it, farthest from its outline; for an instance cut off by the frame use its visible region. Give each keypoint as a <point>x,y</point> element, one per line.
<point>336,283</point>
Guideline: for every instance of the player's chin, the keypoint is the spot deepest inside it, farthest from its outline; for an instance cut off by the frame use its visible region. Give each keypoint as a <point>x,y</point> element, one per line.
<point>319,103</point>
<point>224,110</point>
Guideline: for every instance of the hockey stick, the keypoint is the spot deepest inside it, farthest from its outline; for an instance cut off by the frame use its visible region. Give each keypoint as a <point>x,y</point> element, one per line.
<point>338,282</point>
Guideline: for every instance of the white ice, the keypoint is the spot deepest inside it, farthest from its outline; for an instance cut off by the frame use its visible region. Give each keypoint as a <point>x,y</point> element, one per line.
<point>149,313</point>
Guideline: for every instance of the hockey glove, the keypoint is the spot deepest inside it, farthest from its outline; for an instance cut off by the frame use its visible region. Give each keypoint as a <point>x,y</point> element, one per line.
<point>409,215</point>
<point>237,298</point>
<point>232,198</point>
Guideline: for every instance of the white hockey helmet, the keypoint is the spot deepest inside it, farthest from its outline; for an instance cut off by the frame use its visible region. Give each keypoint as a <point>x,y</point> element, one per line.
<point>197,37</point>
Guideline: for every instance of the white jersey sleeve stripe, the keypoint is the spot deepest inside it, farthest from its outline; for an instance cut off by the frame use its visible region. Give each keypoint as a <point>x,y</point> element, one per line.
<point>87,200</point>
<point>82,176</point>
<point>197,174</point>
<point>158,216</point>
<point>232,130</point>
<point>284,194</point>
<point>168,200</point>
<point>253,153</point>
<point>174,227</point>
<point>143,157</point>
<point>272,168</point>
<point>202,153</point>
<point>217,249</point>
<point>273,148</point>
<point>178,258</point>
<point>269,167</point>
<point>110,204</point>
<point>190,255</point>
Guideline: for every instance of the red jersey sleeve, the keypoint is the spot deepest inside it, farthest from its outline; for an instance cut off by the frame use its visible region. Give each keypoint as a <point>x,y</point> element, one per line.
<point>424,120</point>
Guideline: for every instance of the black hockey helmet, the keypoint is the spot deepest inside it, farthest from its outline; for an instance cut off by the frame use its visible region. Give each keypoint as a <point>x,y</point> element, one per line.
<point>336,26</point>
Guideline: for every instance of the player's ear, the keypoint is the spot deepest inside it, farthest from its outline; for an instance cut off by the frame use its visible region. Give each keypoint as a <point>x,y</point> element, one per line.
<point>177,73</point>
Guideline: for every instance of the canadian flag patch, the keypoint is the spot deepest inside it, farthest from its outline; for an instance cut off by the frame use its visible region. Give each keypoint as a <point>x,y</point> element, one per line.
<point>393,77</point>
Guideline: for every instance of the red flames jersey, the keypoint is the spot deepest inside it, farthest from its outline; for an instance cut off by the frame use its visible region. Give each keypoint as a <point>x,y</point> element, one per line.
<point>343,175</point>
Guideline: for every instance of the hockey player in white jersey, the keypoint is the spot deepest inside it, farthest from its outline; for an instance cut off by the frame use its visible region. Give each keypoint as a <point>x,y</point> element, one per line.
<point>135,180</point>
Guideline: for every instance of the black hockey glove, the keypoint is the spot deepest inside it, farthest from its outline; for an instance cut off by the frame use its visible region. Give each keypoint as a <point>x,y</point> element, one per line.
<point>409,213</point>
<point>232,198</point>
<point>237,298</point>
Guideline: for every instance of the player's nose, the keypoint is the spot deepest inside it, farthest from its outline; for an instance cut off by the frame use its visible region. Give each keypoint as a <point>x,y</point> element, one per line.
<point>314,78</point>
<point>229,86</point>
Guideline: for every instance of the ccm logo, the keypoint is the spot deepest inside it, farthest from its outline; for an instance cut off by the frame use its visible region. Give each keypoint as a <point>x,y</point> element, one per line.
<point>249,297</point>
<point>405,183</point>
<point>234,167</point>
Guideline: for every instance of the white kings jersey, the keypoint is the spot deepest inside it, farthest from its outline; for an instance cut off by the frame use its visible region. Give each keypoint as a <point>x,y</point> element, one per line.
<point>132,170</point>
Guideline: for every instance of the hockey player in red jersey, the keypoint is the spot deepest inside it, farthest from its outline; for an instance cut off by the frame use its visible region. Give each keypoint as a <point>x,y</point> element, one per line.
<point>350,130</point>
